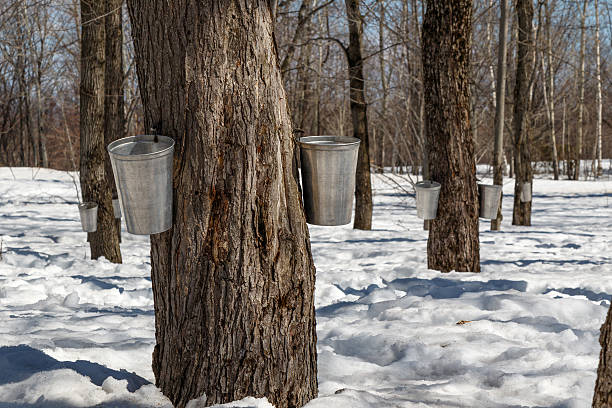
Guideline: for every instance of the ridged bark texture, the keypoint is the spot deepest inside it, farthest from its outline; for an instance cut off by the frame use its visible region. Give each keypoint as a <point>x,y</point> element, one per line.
<point>233,280</point>
<point>363,184</point>
<point>114,115</point>
<point>603,386</point>
<point>453,236</point>
<point>94,181</point>
<point>521,214</point>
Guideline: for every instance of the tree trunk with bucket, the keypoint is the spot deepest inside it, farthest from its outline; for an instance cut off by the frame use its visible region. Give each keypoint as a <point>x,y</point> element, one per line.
<point>453,235</point>
<point>500,94</point>
<point>233,280</point>
<point>114,116</point>
<point>522,125</point>
<point>363,184</point>
<point>603,385</point>
<point>95,186</point>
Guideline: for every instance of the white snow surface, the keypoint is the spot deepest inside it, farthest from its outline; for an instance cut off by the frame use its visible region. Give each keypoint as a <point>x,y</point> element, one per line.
<point>80,333</point>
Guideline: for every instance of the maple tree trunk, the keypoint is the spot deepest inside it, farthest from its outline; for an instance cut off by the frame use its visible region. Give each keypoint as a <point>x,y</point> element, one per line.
<point>521,214</point>
<point>603,386</point>
<point>500,94</point>
<point>363,184</point>
<point>94,181</point>
<point>114,115</point>
<point>233,280</point>
<point>453,235</point>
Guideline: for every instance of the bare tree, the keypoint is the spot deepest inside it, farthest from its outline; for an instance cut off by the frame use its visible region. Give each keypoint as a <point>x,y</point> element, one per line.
<point>453,235</point>
<point>597,156</point>
<point>522,158</point>
<point>603,385</point>
<point>94,181</point>
<point>363,186</point>
<point>233,280</point>
<point>580,124</point>
<point>549,90</point>
<point>114,110</point>
<point>498,153</point>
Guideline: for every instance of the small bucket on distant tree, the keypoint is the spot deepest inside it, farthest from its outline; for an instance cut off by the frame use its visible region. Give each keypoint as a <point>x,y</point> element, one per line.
<point>116,208</point>
<point>328,178</point>
<point>142,166</point>
<point>88,211</point>
<point>488,197</point>
<point>427,195</point>
<point>526,192</point>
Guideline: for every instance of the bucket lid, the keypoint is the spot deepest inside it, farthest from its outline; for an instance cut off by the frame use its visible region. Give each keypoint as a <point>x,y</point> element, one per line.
<point>141,147</point>
<point>329,142</point>
<point>427,184</point>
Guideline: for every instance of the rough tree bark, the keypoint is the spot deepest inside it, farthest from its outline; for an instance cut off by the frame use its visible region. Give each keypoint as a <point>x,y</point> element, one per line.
<point>94,182</point>
<point>603,386</point>
<point>233,280</point>
<point>521,123</point>
<point>453,236</point>
<point>500,94</point>
<point>114,115</point>
<point>363,184</point>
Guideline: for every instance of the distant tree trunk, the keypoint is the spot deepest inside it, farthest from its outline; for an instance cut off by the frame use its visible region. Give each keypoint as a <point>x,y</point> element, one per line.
<point>498,150</point>
<point>233,280</point>
<point>453,235</point>
<point>564,155</point>
<point>94,182</point>
<point>114,113</point>
<point>380,140</point>
<point>550,78</point>
<point>580,124</point>
<point>522,158</point>
<point>363,184</point>
<point>303,18</point>
<point>603,385</point>
<point>597,155</point>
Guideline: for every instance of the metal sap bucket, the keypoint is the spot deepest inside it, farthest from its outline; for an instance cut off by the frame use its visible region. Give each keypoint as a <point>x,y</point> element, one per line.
<point>526,192</point>
<point>328,178</point>
<point>88,211</point>
<point>142,168</point>
<point>427,194</point>
<point>116,208</point>
<point>488,197</point>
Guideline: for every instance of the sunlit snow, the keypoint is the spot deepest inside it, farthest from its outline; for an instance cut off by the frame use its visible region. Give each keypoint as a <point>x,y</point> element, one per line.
<point>77,332</point>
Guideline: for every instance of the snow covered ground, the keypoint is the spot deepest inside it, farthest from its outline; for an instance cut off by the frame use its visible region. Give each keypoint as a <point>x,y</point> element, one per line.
<point>76,332</point>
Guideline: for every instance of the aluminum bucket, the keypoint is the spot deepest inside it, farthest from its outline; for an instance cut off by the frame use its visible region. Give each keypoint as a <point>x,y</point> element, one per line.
<point>328,178</point>
<point>143,175</point>
<point>88,211</point>
<point>116,208</point>
<point>488,197</point>
<point>526,192</point>
<point>427,194</point>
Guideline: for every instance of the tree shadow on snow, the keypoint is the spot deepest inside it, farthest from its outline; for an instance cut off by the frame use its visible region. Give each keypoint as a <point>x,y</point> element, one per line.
<point>18,363</point>
<point>437,288</point>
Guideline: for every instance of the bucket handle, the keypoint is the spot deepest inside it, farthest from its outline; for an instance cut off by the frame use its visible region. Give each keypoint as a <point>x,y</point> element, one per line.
<point>155,131</point>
